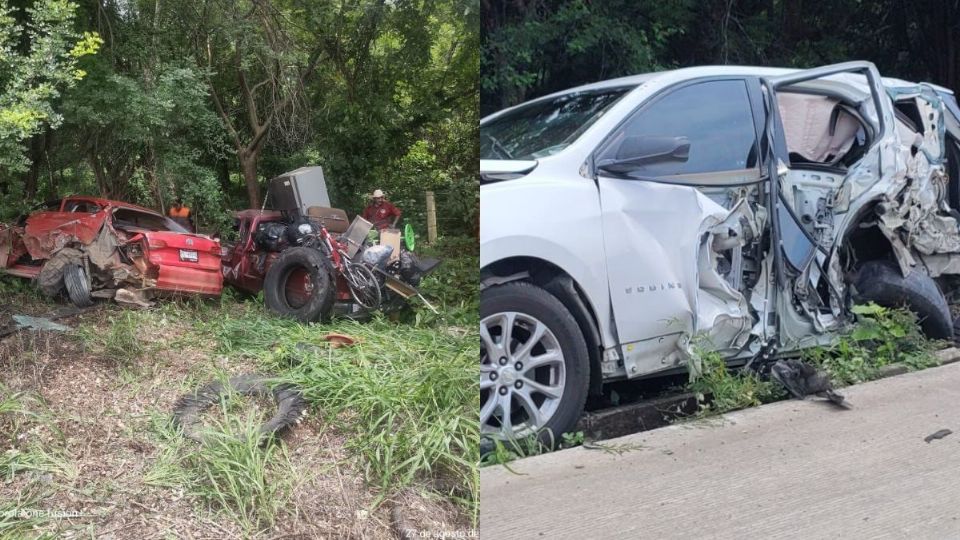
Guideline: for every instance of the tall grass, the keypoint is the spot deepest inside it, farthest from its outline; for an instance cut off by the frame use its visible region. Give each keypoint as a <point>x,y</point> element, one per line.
<point>230,471</point>
<point>22,417</point>
<point>17,519</point>
<point>120,340</point>
<point>238,475</point>
<point>407,395</point>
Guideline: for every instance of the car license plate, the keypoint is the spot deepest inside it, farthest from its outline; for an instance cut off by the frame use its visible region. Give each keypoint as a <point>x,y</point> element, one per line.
<point>188,255</point>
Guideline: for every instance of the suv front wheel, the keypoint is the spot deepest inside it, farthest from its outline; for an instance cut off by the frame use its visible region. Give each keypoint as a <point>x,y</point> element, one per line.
<point>534,367</point>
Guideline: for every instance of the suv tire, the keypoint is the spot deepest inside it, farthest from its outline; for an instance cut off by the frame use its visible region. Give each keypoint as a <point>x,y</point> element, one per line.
<point>542,375</point>
<point>882,283</point>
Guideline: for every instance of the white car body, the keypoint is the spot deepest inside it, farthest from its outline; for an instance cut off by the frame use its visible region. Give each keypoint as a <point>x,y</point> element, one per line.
<point>643,255</point>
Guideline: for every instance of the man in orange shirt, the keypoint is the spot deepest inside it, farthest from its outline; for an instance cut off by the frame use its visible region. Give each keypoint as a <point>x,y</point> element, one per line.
<point>181,214</point>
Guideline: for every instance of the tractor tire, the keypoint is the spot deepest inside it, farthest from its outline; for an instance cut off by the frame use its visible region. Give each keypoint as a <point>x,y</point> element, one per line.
<point>282,294</point>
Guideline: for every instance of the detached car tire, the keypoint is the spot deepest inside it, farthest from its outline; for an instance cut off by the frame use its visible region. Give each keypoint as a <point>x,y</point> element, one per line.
<point>289,400</point>
<point>882,283</point>
<point>296,269</point>
<point>78,286</point>
<point>534,365</point>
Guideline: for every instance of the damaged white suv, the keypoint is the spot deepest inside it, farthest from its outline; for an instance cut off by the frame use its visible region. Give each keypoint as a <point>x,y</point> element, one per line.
<point>744,208</point>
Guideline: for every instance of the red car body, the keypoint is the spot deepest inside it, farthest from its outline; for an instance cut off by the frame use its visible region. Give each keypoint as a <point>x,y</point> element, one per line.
<point>245,265</point>
<point>144,250</point>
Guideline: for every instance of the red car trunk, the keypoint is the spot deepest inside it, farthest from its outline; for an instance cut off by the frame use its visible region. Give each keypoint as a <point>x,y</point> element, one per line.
<point>183,262</point>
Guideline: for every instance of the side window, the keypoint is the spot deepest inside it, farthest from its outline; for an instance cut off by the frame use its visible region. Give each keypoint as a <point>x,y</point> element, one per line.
<point>82,207</point>
<point>714,118</point>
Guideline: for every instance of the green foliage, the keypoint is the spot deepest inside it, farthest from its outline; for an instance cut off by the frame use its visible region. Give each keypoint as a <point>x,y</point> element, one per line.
<point>16,522</point>
<point>720,390</point>
<point>529,52</point>
<point>390,103</point>
<point>455,284</point>
<point>39,51</point>
<point>29,439</point>
<point>250,482</point>
<point>533,48</point>
<point>408,394</point>
<point>503,452</point>
<point>881,337</point>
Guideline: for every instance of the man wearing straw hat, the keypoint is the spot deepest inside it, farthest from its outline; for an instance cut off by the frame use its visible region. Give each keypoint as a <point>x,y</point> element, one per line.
<point>380,211</point>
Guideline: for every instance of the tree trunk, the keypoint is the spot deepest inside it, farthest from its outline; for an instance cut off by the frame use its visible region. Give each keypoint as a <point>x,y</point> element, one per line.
<point>223,174</point>
<point>248,165</point>
<point>38,144</point>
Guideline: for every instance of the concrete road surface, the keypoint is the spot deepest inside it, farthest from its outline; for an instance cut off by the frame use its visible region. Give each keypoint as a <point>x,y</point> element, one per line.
<point>794,469</point>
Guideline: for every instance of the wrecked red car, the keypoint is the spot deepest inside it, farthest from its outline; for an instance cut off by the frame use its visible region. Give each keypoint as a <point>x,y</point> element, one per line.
<point>98,248</point>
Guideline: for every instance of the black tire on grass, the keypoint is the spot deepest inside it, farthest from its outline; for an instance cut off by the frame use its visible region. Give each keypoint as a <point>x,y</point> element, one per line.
<point>320,303</point>
<point>78,286</point>
<point>882,283</point>
<point>290,404</point>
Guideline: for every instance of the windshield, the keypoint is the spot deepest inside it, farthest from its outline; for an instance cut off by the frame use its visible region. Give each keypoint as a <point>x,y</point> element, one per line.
<point>130,219</point>
<point>545,127</point>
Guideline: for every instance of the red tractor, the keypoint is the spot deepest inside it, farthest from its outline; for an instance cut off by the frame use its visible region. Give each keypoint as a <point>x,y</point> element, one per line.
<point>310,261</point>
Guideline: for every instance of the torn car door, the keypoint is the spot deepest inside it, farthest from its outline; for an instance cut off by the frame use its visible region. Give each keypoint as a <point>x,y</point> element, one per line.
<point>835,150</point>
<point>680,183</point>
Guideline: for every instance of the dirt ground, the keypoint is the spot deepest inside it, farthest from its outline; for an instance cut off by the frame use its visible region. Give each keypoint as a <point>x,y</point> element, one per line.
<point>107,413</point>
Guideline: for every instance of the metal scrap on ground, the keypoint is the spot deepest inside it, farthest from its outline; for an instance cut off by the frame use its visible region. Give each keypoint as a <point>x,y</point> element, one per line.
<point>38,323</point>
<point>937,435</point>
<point>802,379</point>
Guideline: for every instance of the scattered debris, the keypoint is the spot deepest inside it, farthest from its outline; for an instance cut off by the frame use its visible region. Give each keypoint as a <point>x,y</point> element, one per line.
<point>340,340</point>
<point>938,435</point>
<point>129,297</point>
<point>613,448</point>
<point>38,323</point>
<point>290,404</point>
<point>802,379</point>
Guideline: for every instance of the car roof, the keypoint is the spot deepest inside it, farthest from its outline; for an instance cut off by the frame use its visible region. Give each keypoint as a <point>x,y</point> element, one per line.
<point>710,71</point>
<point>707,71</point>
<point>109,202</point>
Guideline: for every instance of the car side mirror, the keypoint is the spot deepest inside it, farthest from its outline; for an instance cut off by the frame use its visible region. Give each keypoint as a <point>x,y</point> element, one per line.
<point>642,150</point>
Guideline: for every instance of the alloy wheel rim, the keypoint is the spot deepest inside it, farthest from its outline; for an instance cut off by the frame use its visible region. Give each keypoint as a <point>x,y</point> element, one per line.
<point>522,375</point>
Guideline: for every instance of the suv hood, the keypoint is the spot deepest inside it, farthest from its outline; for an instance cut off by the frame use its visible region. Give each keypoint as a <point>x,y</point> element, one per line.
<point>495,170</point>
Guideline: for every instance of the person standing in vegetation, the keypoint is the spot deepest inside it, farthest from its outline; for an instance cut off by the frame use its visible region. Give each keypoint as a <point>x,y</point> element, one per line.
<point>380,211</point>
<point>181,214</point>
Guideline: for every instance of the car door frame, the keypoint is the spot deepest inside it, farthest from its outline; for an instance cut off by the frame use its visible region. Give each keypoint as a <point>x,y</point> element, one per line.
<point>779,158</point>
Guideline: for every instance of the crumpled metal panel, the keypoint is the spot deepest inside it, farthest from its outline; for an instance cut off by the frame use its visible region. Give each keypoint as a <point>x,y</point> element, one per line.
<point>49,232</point>
<point>6,245</point>
<point>661,243</point>
<point>915,215</point>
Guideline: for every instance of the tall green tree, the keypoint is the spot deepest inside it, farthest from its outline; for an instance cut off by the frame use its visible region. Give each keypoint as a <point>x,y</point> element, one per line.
<point>39,51</point>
